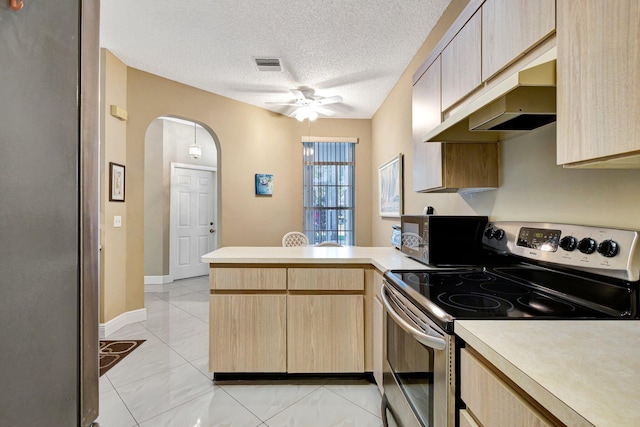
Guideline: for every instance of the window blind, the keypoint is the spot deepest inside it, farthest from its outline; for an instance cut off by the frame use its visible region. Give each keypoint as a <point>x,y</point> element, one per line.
<point>329,184</point>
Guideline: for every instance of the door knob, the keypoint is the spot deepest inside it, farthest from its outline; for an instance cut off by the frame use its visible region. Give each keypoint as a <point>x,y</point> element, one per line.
<point>211,230</point>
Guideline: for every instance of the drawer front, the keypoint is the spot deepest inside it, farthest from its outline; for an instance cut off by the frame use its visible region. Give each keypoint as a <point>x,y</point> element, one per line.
<point>491,400</point>
<point>248,278</point>
<point>326,279</point>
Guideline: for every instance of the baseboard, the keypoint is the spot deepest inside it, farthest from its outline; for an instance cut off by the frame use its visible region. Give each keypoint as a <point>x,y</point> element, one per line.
<point>154,283</point>
<point>106,329</point>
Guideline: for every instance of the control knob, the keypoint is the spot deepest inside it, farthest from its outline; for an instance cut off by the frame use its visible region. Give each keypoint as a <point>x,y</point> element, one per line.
<point>498,234</point>
<point>608,248</point>
<point>587,245</point>
<point>494,233</point>
<point>569,243</point>
<point>489,232</point>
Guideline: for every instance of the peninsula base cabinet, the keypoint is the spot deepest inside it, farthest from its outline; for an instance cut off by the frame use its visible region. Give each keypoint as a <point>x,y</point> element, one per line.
<point>248,333</point>
<point>493,402</point>
<point>287,320</point>
<point>325,333</point>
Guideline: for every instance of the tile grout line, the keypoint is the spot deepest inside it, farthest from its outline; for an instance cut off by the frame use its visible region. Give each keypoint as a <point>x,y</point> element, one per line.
<point>350,401</point>
<point>125,404</point>
<point>281,410</point>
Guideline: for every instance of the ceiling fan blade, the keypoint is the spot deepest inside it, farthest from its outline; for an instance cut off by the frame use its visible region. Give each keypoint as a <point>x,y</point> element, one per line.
<point>298,94</point>
<point>281,103</point>
<point>322,110</point>
<point>293,114</point>
<point>329,100</point>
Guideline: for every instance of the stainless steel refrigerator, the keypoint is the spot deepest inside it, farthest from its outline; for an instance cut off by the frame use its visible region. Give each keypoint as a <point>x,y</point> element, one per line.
<point>49,215</point>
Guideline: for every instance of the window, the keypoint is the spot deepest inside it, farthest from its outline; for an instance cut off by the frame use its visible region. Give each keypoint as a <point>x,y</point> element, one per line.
<point>329,180</point>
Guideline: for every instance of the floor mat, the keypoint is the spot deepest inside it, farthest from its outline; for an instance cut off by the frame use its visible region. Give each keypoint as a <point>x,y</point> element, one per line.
<point>112,352</point>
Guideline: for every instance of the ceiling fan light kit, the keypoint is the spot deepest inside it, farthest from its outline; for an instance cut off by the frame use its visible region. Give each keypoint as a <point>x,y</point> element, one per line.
<point>305,113</point>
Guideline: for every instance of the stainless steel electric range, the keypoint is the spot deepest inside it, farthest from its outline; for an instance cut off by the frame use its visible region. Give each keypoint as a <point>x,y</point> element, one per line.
<point>529,271</point>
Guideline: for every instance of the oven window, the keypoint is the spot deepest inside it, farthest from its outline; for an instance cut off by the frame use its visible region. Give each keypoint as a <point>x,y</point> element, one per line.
<point>412,367</point>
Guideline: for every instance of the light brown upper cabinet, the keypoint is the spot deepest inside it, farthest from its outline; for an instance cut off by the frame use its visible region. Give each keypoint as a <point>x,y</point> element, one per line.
<point>511,27</point>
<point>445,167</point>
<point>461,63</point>
<point>598,73</point>
<point>426,114</point>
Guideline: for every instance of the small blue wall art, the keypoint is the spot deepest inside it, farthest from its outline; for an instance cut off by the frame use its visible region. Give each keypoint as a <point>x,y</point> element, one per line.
<point>264,184</point>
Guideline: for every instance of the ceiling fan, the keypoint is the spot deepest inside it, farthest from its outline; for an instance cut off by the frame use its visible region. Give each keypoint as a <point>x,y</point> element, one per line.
<point>308,105</point>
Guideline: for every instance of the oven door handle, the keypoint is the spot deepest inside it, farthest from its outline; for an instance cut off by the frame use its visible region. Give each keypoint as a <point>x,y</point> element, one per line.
<point>427,340</point>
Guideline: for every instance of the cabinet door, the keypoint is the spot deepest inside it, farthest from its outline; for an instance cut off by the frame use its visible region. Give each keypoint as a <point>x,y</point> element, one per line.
<point>598,72</point>
<point>247,333</point>
<point>511,27</point>
<point>461,63</point>
<point>248,278</point>
<point>492,401</point>
<point>426,114</point>
<point>325,333</point>
<point>326,279</point>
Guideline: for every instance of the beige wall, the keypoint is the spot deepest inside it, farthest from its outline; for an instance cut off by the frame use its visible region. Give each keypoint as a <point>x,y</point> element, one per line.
<point>250,140</point>
<point>154,236</point>
<point>532,186</point>
<point>113,146</point>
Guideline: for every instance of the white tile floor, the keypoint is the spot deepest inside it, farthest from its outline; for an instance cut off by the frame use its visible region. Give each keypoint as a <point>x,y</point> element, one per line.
<point>165,382</point>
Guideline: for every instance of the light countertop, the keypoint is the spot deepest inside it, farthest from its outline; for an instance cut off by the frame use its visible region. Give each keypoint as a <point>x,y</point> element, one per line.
<point>584,372</point>
<point>383,258</point>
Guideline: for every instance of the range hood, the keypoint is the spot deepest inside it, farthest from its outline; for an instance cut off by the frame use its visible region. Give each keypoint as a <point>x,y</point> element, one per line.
<point>522,102</point>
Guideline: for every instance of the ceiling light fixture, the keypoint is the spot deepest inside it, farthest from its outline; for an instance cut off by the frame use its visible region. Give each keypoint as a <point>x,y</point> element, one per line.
<point>306,113</point>
<point>195,150</point>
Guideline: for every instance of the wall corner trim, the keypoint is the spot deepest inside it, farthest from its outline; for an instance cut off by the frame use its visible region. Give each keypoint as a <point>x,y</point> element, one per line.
<point>127,318</point>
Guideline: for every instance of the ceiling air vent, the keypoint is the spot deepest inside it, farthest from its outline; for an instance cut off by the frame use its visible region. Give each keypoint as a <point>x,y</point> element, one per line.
<point>268,64</point>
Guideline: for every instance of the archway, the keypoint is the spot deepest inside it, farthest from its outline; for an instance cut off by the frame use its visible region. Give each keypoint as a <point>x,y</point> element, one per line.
<point>181,199</point>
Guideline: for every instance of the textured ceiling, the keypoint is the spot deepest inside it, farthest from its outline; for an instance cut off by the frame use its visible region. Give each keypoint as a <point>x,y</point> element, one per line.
<point>353,48</point>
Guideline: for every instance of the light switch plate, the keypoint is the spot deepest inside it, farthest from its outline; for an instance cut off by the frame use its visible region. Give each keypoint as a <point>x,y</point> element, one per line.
<point>117,221</point>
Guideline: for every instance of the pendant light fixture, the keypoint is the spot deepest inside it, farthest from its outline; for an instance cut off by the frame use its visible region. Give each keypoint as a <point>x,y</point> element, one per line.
<point>195,150</point>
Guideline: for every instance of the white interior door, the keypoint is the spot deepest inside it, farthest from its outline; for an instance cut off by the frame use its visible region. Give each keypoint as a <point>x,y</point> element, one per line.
<point>193,225</point>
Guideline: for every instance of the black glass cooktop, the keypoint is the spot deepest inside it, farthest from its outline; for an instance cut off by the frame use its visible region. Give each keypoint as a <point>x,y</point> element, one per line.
<point>513,292</point>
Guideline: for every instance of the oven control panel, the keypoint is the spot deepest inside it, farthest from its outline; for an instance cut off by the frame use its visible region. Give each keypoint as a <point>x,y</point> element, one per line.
<point>605,251</point>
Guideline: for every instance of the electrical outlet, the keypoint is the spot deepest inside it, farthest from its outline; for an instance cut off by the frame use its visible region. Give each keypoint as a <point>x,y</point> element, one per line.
<point>117,221</point>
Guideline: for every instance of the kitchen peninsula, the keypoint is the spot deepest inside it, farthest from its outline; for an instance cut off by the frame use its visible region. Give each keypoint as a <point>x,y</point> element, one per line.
<point>296,309</point>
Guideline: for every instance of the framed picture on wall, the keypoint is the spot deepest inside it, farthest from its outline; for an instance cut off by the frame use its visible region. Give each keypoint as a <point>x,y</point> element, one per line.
<point>264,184</point>
<point>116,182</point>
<point>390,187</point>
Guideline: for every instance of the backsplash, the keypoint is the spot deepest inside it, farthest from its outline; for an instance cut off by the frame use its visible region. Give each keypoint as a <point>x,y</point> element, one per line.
<point>534,188</point>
